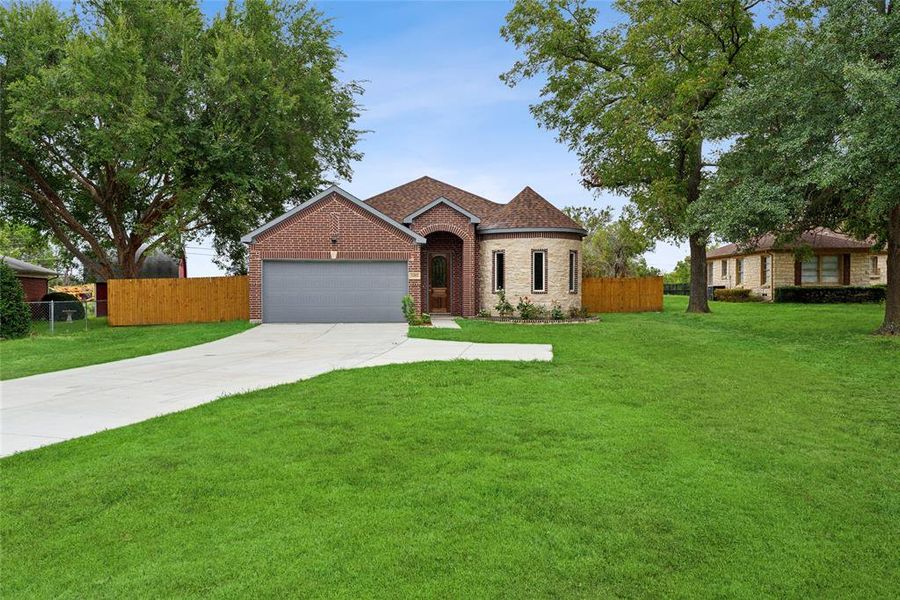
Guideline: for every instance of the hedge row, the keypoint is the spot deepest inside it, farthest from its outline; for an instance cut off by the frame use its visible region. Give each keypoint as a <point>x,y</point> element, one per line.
<point>734,295</point>
<point>15,318</point>
<point>826,295</point>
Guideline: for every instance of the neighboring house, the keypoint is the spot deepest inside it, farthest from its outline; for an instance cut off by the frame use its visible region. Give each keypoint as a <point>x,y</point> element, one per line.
<point>336,258</point>
<point>836,259</point>
<point>34,278</point>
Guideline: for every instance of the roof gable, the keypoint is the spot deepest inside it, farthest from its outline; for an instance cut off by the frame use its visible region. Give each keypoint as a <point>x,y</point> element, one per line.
<point>472,218</point>
<point>403,200</point>
<point>251,237</point>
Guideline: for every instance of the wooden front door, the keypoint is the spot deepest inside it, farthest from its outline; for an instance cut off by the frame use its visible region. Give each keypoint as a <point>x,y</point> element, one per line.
<point>439,280</point>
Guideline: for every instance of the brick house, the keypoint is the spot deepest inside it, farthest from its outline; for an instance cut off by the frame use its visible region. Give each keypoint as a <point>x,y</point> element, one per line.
<point>34,278</point>
<point>337,258</point>
<point>834,259</point>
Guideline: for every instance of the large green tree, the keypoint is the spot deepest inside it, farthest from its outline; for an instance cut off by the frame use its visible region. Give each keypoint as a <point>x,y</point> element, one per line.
<point>612,247</point>
<point>631,99</point>
<point>816,134</point>
<point>132,123</point>
<point>681,273</point>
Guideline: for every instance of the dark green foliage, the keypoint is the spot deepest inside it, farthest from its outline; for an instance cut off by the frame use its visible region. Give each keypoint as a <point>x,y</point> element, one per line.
<point>677,289</point>
<point>528,310</point>
<point>63,302</point>
<point>503,306</point>
<point>612,248</point>
<point>631,98</point>
<point>815,133</point>
<point>734,295</point>
<point>409,309</point>
<point>556,312</point>
<point>681,273</point>
<point>828,295</point>
<point>579,312</point>
<point>15,317</point>
<point>410,314</point>
<point>142,121</point>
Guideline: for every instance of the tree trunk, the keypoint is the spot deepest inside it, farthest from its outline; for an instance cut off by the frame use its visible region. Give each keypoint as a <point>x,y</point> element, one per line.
<point>698,302</point>
<point>891,324</point>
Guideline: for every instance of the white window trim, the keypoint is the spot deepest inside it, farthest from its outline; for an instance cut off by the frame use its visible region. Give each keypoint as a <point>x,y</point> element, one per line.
<point>535,289</point>
<point>497,288</point>
<point>573,271</point>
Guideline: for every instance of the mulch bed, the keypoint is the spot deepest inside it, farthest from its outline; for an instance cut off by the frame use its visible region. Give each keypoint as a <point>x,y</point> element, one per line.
<point>537,321</point>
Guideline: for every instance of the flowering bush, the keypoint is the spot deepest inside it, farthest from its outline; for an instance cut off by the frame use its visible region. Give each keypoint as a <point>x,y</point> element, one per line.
<point>503,307</point>
<point>529,310</point>
<point>556,312</point>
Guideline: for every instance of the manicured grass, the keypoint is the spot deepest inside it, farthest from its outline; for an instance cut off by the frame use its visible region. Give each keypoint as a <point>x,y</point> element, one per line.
<point>749,453</point>
<point>74,346</point>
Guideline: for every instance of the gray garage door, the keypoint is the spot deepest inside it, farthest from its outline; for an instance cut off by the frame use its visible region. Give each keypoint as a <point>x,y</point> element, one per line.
<point>333,291</point>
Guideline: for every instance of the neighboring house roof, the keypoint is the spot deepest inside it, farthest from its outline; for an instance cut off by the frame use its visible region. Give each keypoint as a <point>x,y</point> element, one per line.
<point>820,238</point>
<point>250,237</point>
<point>27,269</point>
<point>529,210</point>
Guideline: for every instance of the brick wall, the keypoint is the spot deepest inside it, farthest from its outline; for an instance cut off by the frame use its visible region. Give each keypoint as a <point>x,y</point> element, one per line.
<point>35,288</point>
<point>450,246</point>
<point>307,236</point>
<point>445,220</point>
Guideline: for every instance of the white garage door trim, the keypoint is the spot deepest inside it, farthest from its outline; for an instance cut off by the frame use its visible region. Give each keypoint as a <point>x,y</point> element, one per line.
<point>331,291</point>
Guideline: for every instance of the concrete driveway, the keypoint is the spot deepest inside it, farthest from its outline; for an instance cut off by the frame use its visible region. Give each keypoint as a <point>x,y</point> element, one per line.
<point>49,408</point>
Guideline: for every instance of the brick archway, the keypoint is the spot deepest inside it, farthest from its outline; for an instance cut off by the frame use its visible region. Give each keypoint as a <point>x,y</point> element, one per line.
<point>442,218</point>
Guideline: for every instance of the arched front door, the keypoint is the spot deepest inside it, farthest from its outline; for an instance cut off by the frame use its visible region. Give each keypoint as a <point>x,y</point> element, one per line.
<point>439,281</point>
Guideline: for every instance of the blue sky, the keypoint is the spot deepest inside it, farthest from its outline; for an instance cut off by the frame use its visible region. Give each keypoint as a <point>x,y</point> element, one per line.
<point>435,106</point>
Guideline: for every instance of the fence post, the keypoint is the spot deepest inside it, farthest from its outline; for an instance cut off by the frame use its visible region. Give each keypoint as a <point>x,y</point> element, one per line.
<point>52,317</point>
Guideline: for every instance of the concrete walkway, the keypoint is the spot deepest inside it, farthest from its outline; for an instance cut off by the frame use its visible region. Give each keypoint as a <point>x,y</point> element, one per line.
<point>444,322</point>
<point>44,409</point>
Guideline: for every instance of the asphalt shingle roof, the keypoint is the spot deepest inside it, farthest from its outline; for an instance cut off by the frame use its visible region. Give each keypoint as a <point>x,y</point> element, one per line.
<point>820,238</point>
<point>26,268</point>
<point>527,210</point>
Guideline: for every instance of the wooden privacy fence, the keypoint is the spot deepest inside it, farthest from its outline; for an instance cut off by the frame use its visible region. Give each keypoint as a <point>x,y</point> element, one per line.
<point>622,294</point>
<point>168,301</point>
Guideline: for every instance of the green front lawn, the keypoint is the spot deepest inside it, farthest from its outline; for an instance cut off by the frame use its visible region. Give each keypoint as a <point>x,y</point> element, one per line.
<point>752,452</point>
<point>74,346</point>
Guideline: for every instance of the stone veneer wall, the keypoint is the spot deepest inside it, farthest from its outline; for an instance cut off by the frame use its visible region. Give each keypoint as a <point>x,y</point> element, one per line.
<point>517,252</point>
<point>783,271</point>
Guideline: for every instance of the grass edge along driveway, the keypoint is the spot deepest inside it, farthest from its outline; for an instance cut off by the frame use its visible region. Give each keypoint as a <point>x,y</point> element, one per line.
<point>101,344</point>
<point>749,453</point>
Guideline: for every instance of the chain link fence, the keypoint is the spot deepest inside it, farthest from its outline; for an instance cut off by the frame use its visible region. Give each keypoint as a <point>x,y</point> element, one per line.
<point>66,316</point>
